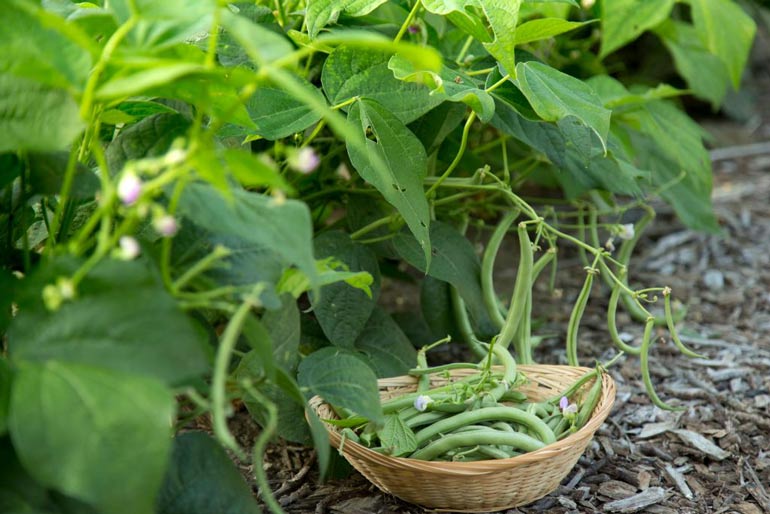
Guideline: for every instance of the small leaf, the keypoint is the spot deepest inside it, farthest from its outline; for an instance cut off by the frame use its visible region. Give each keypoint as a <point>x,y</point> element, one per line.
<point>436,307</point>
<point>251,171</point>
<point>201,479</point>
<point>727,31</point>
<point>385,345</point>
<point>342,310</point>
<point>350,72</point>
<point>320,13</point>
<point>545,28</point>
<point>283,326</point>
<point>107,325</point>
<point>503,15</point>
<point>277,114</point>
<point>261,44</point>
<point>46,176</point>
<point>460,15</point>
<point>406,163</point>
<point>34,117</point>
<point>624,20</point>
<point>143,80</point>
<point>341,378</point>
<point>555,95</point>
<point>119,467</point>
<point>396,437</point>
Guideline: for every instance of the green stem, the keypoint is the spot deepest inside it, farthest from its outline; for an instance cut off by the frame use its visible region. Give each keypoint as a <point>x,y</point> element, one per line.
<point>371,226</point>
<point>463,144</point>
<point>219,252</point>
<point>464,51</point>
<point>407,21</point>
<point>211,52</point>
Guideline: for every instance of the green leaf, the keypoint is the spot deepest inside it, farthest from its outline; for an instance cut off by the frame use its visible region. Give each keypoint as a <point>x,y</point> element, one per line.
<point>624,20</point>
<point>615,95</point>
<point>118,468</point>
<point>34,117</point>
<point>259,362</point>
<point>555,95</point>
<point>545,28</point>
<point>144,80</point>
<point>433,128</point>
<point>396,437</point>
<point>388,350</point>
<point>46,176</point>
<point>277,114</point>
<point>320,441</point>
<point>34,48</point>
<point>350,72</point>
<point>406,163</point>
<point>283,326</point>
<point>261,44</point>
<point>106,325</point>
<point>726,31</point>
<point>251,171</point>
<point>450,85</point>
<point>151,137</point>
<point>282,225</point>
<point>320,13</point>
<point>454,261</point>
<point>202,479</point>
<point>460,14</point>
<point>342,310</point>
<point>503,15</point>
<point>8,284</point>
<point>341,378</point>
<point>162,24</point>
<point>436,308</point>
<point>19,492</point>
<point>6,377</point>
<point>706,75</point>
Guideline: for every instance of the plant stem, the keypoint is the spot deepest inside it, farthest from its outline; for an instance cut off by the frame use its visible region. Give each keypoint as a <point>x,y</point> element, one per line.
<point>463,144</point>
<point>464,50</point>
<point>407,21</point>
<point>371,226</point>
<point>219,252</point>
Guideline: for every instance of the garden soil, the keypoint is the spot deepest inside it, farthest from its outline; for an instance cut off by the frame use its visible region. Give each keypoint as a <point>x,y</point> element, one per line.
<point>713,457</point>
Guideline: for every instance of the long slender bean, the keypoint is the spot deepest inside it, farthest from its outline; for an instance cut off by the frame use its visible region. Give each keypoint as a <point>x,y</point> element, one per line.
<point>612,311</point>
<point>672,326</point>
<point>523,284</point>
<point>491,301</point>
<point>577,314</point>
<point>488,436</point>
<point>645,367</point>
<point>590,402</point>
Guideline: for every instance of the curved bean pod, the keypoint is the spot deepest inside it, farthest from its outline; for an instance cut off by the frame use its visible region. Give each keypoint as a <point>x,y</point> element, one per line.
<point>577,315</point>
<point>478,437</point>
<point>645,366</point>
<point>487,268</point>
<point>523,284</point>
<point>672,327</point>
<point>612,311</point>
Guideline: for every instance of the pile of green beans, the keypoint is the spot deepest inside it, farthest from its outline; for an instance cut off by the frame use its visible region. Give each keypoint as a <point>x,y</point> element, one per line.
<point>479,417</point>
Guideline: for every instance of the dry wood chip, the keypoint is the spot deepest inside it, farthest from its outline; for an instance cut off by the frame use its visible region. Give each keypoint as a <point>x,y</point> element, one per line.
<point>679,480</point>
<point>637,502</point>
<point>643,478</point>
<point>702,444</point>
<point>653,429</point>
<point>616,490</point>
<point>747,508</point>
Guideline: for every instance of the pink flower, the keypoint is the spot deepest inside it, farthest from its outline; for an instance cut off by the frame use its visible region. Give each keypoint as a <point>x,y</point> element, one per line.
<point>421,402</point>
<point>166,225</point>
<point>129,248</point>
<point>305,160</point>
<point>129,188</point>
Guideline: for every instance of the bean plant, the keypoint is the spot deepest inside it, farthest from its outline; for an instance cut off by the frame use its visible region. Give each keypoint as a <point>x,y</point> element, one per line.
<point>201,202</point>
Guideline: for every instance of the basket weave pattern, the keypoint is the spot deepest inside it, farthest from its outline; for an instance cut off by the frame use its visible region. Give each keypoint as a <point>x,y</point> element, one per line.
<point>480,486</point>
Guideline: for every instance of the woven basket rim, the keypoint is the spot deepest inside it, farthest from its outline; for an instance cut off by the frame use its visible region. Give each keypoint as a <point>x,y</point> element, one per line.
<point>483,467</point>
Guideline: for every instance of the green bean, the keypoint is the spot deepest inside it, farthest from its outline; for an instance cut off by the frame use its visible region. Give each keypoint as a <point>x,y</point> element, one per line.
<point>487,268</point>
<point>523,284</point>
<point>644,358</point>
<point>425,418</point>
<point>590,402</point>
<point>420,371</point>
<point>561,429</point>
<point>451,423</point>
<point>523,338</point>
<point>571,390</point>
<point>612,324</point>
<point>406,400</point>
<point>509,369</point>
<point>423,383</point>
<point>513,395</point>
<point>488,436</point>
<point>464,322</point>
<point>577,315</point>
<point>542,262</point>
<point>494,452</point>
<point>672,327</point>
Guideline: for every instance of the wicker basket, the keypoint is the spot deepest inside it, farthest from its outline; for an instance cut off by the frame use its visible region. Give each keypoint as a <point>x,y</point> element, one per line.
<point>480,486</point>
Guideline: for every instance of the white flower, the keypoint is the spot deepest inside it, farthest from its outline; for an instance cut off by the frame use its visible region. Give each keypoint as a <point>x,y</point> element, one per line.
<point>626,231</point>
<point>421,402</point>
<point>129,248</point>
<point>129,188</point>
<point>304,160</point>
<point>166,225</point>
<point>567,409</point>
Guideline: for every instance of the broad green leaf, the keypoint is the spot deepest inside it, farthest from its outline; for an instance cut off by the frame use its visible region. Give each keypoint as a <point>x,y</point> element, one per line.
<point>282,225</point>
<point>726,31</point>
<point>277,114</point>
<point>421,56</point>
<point>107,325</point>
<point>450,85</point>
<point>406,164</point>
<point>201,479</point>
<point>388,350</point>
<point>350,72</point>
<point>624,20</point>
<point>343,379</point>
<point>320,13</point>
<point>555,95</point>
<point>251,171</point>
<point>118,468</point>
<point>320,441</point>
<point>434,127</point>
<point>34,117</point>
<point>614,94</point>
<point>503,15</point>
<point>283,326</point>
<point>436,309</point>
<point>162,24</point>
<point>459,13</point>
<point>157,74</point>
<point>706,75</point>
<point>544,28</point>
<point>396,437</point>
<point>19,492</point>
<point>342,310</point>
<point>46,175</point>
<point>33,48</point>
<point>454,261</point>
<point>261,44</point>
<point>259,360</point>
<point>6,377</point>
<point>151,137</point>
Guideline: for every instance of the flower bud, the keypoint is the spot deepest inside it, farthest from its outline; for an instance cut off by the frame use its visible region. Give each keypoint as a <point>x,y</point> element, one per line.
<point>129,248</point>
<point>304,160</point>
<point>129,188</point>
<point>166,225</point>
<point>626,231</point>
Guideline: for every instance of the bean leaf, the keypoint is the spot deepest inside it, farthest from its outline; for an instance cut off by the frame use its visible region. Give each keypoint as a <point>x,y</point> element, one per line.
<point>396,437</point>
<point>624,20</point>
<point>320,13</point>
<point>385,345</point>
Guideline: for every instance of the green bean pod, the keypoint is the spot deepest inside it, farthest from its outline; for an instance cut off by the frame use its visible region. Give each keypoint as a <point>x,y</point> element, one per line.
<point>478,437</point>
<point>520,289</point>
<point>577,315</point>
<point>530,421</point>
<point>425,418</point>
<point>464,322</point>
<point>589,402</point>
<point>645,367</point>
<point>422,371</point>
<point>423,383</point>
<point>487,268</point>
<point>495,452</point>
<point>672,327</point>
<point>612,312</point>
